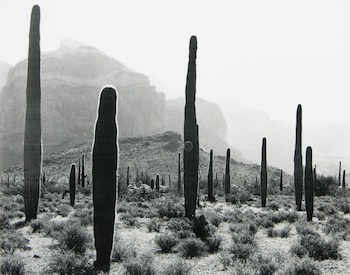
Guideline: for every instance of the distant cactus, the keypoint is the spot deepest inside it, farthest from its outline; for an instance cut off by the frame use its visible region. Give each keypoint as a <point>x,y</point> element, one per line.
<point>179,174</point>
<point>281,181</point>
<point>298,161</point>
<point>83,176</point>
<point>152,183</point>
<point>309,185</point>
<point>227,178</point>
<point>191,143</point>
<point>210,178</point>
<point>157,183</point>
<point>263,174</point>
<point>79,173</point>
<point>127,176</point>
<point>339,175</point>
<point>104,176</point>
<point>72,185</point>
<point>343,185</point>
<point>32,153</point>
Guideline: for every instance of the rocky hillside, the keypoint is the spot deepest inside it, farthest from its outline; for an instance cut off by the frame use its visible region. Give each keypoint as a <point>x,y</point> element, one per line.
<point>153,155</point>
<point>71,82</point>
<point>4,69</point>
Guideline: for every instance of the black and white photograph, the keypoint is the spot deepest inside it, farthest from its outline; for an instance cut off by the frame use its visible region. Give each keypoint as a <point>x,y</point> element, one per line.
<point>175,137</point>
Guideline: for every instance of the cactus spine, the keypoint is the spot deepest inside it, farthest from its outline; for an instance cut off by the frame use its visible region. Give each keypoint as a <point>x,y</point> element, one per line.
<point>309,185</point>
<point>263,174</point>
<point>104,176</point>
<point>157,183</point>
<point>191,143</point>
<point>298,161</point>
<point>32,153</point>
<point>72,185</point>
<point>227,178</point>
<point>210,178</point>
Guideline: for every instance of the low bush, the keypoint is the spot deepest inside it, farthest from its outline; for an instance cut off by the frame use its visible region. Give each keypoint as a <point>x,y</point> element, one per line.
<point>213,243</point>
<point>241,251</point>
<point>153,225</point>
<point>178,267</point>
<point>192,247</point>
<point>128,219</point>
<point>12,265</point>
<point>304,266</point>
<point>10,241</point>
<point>167,208</point>
<point>282,233</point>
<point>38,225</point>
<point>338,225</point>
<point>201,228</point>
<point>122,251</point>
<point>67,262</point>
<point>141,265</point>
<point>166,242</point>
<point>74,238</point>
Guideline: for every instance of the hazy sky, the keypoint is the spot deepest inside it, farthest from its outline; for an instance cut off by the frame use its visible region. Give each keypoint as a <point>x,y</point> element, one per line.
<point>268,54</point>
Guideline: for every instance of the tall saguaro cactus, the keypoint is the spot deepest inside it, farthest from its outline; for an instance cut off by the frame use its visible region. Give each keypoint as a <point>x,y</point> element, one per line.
<point>227,177</point>
<point>72,185</point>
<point>157,183</point>
<point>343,185</point>
<point>83,171</point>
<point>339,175</point>
<point>179,174</point>
<point>281,181</point>
<point>191,143</point>
<point>298,161</point>
<point>309,185</point>
<point>32,153</point>
<point>210,178</point>
<point>263,174</point>
<point>104,176</point>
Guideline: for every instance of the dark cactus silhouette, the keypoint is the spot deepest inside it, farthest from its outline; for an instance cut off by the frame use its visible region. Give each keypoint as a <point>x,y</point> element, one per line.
<point>152,183</point>
<point>179,174</point>
<point>227,178</point>
<point>309,185</point>
<point>127,176</point>
<point>191,143</point>
<point>298,161</point>
<point>32,153</point>
<point>343,185</point>
<point>210,178</point>
<point>104,176</point>
<point>83,171</point>
<point>263,174</point>
<point>281,181</point>
<point>72,185</point>
<point>339,175</point>
<point>79,173</point>
<point>157,183</point>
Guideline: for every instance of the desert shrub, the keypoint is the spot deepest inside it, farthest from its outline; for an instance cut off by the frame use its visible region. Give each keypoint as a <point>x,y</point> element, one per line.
<point>244,237</point>
<point>10,241</point>
<point>4,222</point>
<point>55,227</point>
<point>166,242</point>
<point>142,192</point>
<point>317,247</point>
<point>282,233</point>
<point>201,228</point>
<point>319,215</point>
<point>37,225</point>
<point>304,266</point>
<point>325,186</point>
<point>74,238</point>
<point>63,210</point>
<point>327,208</point>
<point>67,262</point>
<point>264,221</point>
<point>225,259</point>
<point>178,267</point>
<point>241,251</point>
<point>12,265</point>
<point>182,227</point>
<point>141,265</point>
<point>252,229</point>
<point>128,219</point>
<point>167,208</point>
<point>273,206</point>
<point>264,264</point>
<point>192,247</point>
<point>213,243</point>
<point>344,206</point>
<point>214,218</point>
<point>305,229</point>
<point>122,251</point>
<point>338,225</point>
<point>153,225</point>
<point>238,196</point>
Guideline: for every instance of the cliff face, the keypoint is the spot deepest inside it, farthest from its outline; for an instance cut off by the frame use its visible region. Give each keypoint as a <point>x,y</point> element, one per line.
<point>71,82</point>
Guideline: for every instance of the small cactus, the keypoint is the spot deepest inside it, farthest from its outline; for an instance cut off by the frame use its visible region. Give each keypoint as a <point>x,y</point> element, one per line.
<point>309,185</point>
<point>339,175</point>
<point>179,174</point>
<point>210,178</point>
<point>281,181</point>
<point>152,183</point>
<point>127,176</point>
<point>263,174</point>
<point>227,178</point>
<point>72,185</point>
<point>157,183</point>
<point>343,185</point>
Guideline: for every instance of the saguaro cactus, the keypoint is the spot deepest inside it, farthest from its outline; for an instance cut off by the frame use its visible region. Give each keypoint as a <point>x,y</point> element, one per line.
<point>79,173</point>
<point>210,178</point>
<point>309,185</point>
<point>104,176</point>
<point>72,185</point>
<point>152,183</point>
<point>157,183</point>
<point>227,178</point>
<point>343,185</point>
<point>32,153</point>
<point>83,171</point>
<point>281,181</point>
<point>298,161</point>
<point>339,175</point>
<point>127,176</point>
<point>191,143</point>
<point>263,174</point>
<point>179,174</point>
